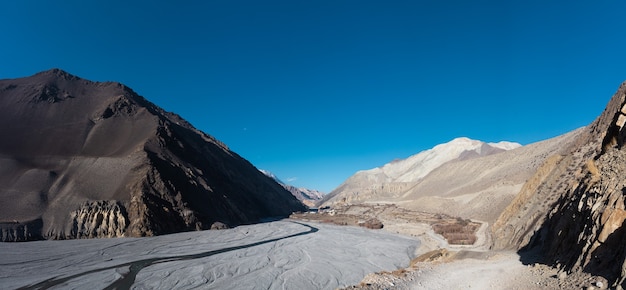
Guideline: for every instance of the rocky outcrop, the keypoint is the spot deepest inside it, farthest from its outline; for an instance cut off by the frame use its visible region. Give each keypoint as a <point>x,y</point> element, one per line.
<point>219,226</point>
<point>95,159</point>
<point>21,231</point>
<point>573,211</point>
<point>96,219</point>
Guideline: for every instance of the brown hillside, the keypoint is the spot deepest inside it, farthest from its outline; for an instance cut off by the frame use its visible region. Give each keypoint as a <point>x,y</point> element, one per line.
<point>90,159</point>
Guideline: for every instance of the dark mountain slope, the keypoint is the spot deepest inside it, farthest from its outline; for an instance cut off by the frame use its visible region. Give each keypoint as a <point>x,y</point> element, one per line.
<point>91,159</point>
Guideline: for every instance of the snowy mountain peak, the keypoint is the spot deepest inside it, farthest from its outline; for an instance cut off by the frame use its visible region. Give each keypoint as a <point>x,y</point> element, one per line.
<point>461,143</point>
<point>419,165</point>
<point>271,175</point>
<point>398,176</point>
<point>505,145</point>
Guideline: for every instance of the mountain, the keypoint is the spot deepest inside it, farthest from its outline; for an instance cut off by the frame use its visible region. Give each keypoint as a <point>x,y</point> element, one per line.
<point>572,212</point>
<point>408,171</point>
<point>465,178</point>
<point>308,197</point>
<point>444,179</point>
<point>83,159</point>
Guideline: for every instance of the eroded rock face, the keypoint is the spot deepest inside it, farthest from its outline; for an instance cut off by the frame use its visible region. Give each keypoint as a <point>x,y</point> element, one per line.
<point>97,219</point>
<point>219,226</point>
<point>21,231</point>
<point>94,159</point>
<point>573,210</point>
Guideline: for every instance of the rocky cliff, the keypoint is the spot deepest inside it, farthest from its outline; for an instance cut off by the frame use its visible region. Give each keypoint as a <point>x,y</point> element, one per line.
<point>572,211</point>
<point>85,159</point>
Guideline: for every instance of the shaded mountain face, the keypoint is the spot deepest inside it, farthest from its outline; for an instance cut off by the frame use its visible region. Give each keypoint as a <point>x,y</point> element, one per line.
<point>572,211</point>
<point>308,197</point>
<point>90,159</point>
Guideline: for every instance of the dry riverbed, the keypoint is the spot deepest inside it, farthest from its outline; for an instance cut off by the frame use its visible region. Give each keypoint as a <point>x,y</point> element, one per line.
<point>275,255</point>
<point>309,253</point>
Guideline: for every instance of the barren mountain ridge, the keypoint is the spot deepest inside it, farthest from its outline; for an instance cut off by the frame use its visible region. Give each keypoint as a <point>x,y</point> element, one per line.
<point>82,159</point>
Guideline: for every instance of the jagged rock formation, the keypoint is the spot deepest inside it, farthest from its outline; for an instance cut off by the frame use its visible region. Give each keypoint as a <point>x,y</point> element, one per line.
<point>94,159</point>
<point>96,219</point>
<point>464,177</point>
<point>21,231</point>
<point>573,210</point>
<point>308,197</point>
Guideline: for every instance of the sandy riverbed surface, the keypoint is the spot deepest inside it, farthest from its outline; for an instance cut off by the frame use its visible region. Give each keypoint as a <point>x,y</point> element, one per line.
<point>277,255</point>
<point>283,254</point>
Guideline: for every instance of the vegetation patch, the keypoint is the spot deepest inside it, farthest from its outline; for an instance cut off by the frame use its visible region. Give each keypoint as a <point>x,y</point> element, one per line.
<point>457,232</point>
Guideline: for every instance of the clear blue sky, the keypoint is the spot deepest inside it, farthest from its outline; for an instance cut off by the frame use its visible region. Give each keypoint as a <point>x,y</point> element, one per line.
<point>316,90</point>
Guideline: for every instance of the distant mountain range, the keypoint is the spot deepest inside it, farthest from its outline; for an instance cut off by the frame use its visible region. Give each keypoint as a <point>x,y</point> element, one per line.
<point>308,197</point>
<point>82,159</point>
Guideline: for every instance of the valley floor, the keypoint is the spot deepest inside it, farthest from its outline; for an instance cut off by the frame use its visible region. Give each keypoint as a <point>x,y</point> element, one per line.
<point>443,266</point>
<point>493,270</point>
<point>275,255</point>
<point>285,254</point>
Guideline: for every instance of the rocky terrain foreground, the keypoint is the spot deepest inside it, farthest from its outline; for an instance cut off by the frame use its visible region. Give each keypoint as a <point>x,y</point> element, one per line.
<point>82,159</point>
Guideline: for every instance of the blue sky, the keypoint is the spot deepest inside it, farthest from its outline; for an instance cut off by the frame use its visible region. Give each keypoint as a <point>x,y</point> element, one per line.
<point>316,90</point>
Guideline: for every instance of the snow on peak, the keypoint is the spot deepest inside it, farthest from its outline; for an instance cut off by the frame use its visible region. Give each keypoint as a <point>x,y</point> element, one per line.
<point>269,174</point>
<point>459,143</point>
<point>419,165</point>
<point>505,145</point>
